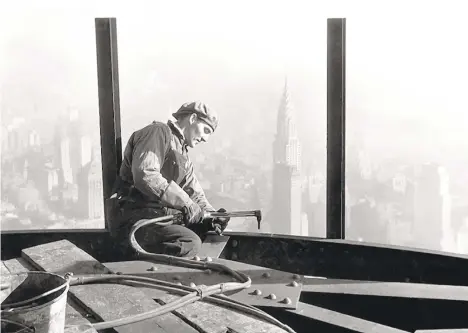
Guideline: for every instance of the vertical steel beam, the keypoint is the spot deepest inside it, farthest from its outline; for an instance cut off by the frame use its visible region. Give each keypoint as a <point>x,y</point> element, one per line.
<point>336,98</point>
<point>109,102</point>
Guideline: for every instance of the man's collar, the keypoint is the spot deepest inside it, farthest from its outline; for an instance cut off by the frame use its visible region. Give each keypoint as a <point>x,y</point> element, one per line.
<point>178,132</point>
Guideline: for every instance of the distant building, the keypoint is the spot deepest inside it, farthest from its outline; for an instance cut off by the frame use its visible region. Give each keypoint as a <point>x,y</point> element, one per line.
<point>62,155</point>
<point>286,215</point>
<point>80,143</point>
<point>432,208</point>
<point>90,190</point>
<point>462,237</point>
<point>17,140</point>
<point>4,138</point>
<point>315,205</point>
<point>33,139</point>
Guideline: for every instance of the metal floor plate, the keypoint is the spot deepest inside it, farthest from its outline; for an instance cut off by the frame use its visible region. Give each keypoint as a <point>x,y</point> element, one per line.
<point>269,287</point>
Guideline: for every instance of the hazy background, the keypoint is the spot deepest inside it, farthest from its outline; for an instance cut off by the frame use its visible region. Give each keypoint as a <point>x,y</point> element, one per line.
<point>406,98</point>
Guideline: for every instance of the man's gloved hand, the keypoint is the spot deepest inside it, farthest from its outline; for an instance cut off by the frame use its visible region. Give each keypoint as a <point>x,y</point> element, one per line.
<point>175,197</point>
<point>220,223</point>
<point>193,214</point>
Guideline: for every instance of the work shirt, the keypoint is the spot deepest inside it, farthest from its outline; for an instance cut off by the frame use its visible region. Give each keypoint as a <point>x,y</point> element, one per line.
<point>156,155</point>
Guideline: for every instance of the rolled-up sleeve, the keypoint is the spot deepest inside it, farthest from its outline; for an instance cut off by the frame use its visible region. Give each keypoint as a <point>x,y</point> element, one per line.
<point>197,195</point>
<point>149,150</point>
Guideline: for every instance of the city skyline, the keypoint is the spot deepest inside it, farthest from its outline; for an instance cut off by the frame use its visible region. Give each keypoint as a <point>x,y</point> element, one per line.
<point>71,151</point>
<point>405,100</point>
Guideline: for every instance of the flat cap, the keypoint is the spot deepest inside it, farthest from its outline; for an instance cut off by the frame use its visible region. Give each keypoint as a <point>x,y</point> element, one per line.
<point>202,110</point>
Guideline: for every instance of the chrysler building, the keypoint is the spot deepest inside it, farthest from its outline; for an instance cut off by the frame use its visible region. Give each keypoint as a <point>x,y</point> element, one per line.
<point>287,184</point>
<point>286,147</point>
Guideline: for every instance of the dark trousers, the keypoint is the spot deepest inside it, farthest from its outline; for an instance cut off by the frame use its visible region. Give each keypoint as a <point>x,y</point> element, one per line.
<point>175,240</point>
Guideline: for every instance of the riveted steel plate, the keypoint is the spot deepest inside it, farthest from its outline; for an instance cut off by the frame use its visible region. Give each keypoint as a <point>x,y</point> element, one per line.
<point>276,288</point>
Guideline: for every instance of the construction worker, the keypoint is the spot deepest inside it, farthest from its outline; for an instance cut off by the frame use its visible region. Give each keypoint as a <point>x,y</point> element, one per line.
<point>157,177</point>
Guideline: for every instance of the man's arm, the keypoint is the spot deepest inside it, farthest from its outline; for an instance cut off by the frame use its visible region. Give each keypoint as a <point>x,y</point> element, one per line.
<point>197,195</point>
<point>149,150</point>
<point>151,146</point>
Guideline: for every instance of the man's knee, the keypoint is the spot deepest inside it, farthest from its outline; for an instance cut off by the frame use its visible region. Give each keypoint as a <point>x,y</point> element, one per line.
<point>191,243</point>
<point>174,240</point>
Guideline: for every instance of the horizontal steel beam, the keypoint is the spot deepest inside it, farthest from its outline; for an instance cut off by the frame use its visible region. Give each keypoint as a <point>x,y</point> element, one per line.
<point>341,259</point>
<point>341,320</point>
<point>386,289</point>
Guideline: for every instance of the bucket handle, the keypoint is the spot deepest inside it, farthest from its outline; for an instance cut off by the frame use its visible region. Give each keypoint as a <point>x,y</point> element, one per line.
<point>19,305</point>
<point>24,328</point>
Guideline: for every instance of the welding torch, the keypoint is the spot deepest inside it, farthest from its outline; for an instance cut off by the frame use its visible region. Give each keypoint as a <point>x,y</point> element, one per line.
<point>177,217</point>
<point>245,213</point>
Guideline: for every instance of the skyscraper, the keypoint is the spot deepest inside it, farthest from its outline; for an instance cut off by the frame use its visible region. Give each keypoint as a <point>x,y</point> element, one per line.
<point>80,142</point>
<point>286,147</point>
<point>62,152</point>
<point>287,184</point>
<point>90,190</point>
<point>432,208</point>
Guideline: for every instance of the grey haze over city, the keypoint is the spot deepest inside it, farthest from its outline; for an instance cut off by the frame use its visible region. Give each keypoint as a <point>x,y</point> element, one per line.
<point>405,100</point>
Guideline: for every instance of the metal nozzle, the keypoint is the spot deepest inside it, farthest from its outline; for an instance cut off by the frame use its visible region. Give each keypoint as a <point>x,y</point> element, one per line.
<point>247,213</point>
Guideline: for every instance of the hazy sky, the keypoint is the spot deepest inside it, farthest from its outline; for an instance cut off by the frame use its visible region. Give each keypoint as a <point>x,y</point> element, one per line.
<point>406,61</point>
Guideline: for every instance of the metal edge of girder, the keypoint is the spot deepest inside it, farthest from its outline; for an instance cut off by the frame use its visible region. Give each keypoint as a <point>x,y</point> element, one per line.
<point>342,320</point>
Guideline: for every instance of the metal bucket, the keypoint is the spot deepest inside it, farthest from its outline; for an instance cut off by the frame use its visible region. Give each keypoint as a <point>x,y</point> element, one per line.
<point>37,300</point>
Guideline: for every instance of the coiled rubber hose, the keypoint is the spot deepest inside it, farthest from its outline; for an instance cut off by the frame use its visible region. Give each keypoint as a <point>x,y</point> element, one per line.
<point>190,294</point>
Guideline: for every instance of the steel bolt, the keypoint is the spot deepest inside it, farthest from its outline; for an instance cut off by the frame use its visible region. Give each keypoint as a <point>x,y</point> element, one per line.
<point>119,273</point>
<point>179,283</point>
<point>153,268</point>
<point>176,277</point>
<point>208,259</point>
<point>196,258</point>
<point>257,292</point>
<point>293,284</point>
<point>287,300</point>
<point>208,271</point>
<point>271,296</point>
<point>192,285</point>
<point>266,275</point>
<point>296,277</point>
<point>234,243</point>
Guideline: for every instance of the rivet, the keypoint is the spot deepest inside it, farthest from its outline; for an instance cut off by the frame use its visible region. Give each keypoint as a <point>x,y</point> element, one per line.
<point>287,300</point>
<point>271,296</point>
<point>293,284</point>
<point>266,275</point>
<point>192,285</point>
<point>208,259</point>
<point>119,273</point>
<point>176,277</point>
<point>179,283</point>
<point>208,271</point>
<point>153,268</point>
<point>234,243</point>
<point>234,256</point>
<point>196,258</point>
<point>257,292</point>
<point>296,277</point>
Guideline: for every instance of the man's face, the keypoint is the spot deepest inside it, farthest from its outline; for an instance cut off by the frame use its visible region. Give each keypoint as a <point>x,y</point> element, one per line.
<point>198,131</point>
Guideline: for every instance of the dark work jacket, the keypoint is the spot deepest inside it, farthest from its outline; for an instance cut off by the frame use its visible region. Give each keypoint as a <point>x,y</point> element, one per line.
<point>156,155</point>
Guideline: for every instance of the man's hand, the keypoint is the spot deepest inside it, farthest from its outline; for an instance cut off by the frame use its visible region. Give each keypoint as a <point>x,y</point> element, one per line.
<point>193,214</point>
<point>220,223</point>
